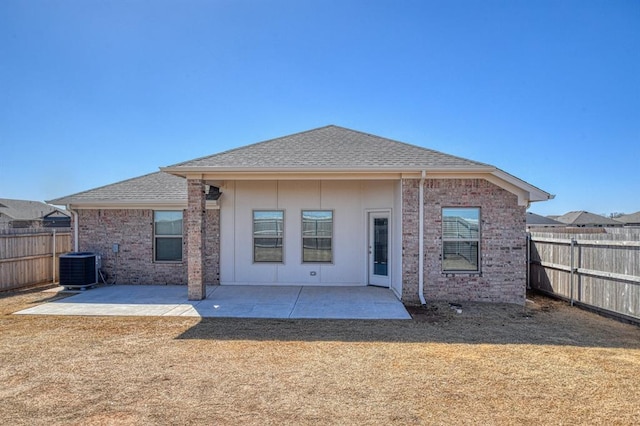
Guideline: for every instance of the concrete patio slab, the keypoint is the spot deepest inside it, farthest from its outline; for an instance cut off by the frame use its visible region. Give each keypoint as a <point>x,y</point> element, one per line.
<point>351,302</point>
<point>278,302</point>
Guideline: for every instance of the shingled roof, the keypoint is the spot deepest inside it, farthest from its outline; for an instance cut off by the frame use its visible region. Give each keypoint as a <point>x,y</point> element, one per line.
<point>24,209</point>
<point>157,187</point>
<point>584,218</point>
<point>629,219</point>
<point>537,220</point>
<point>330,147</point>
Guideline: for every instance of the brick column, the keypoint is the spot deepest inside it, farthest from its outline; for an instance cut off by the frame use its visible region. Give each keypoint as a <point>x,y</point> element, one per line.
<point>410,240</point>
<point>195,239</point>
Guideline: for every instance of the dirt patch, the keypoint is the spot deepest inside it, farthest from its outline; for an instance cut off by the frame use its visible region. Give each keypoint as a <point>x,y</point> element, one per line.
<point>545,363</point>
<point>433,312</point>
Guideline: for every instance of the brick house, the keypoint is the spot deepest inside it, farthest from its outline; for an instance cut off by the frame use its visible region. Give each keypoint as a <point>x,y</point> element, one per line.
<point>327,207</point>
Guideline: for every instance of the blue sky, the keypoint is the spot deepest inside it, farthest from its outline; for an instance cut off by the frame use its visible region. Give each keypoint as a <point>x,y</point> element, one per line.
<point>94,92</point>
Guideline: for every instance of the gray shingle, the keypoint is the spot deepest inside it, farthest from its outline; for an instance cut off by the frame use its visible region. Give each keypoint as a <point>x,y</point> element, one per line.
<point>535,219</point>
<point>330,147</point>
<point>158,186</point>
<point>584,218</point>
<point>24,209</point>
<point>627,219</point>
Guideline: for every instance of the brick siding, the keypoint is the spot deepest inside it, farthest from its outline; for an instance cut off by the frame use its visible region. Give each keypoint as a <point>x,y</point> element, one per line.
<point>212,247</point>
<point>132,229</point>
<point>503,243</point>
<point>195,223</point>
<point>502,276</point>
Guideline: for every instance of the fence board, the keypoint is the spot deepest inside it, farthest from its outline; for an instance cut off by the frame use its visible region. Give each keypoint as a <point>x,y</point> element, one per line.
<point>28,258</point>
<point>598,270</point>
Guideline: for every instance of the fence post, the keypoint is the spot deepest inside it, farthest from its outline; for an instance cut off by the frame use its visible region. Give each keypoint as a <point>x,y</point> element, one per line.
<point>572,267</point>
<point>528,260</point>
<point>577,271</point>
<point>53,269</point>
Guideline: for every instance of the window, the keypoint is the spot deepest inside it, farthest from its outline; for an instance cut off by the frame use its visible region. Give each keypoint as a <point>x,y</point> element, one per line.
<point>167,230</point>
<point>317,236</point>
<point>460,239</point>
<point>268,229</point>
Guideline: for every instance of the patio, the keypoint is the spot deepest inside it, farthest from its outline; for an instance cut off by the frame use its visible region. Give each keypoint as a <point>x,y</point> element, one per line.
<point>277,302</point>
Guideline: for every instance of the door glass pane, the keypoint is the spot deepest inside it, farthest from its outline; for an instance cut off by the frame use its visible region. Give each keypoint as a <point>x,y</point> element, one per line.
<point>380,246</point>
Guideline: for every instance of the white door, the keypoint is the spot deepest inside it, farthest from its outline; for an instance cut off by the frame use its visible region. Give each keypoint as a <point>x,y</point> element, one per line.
<point>379,244</point>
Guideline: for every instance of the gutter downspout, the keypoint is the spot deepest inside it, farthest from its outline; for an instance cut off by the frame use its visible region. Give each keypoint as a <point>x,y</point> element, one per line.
<point>421,241</point>
<point>74,214</point>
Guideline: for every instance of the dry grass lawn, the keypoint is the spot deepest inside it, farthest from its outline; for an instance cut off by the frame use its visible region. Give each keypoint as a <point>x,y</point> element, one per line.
<point>495,364</point>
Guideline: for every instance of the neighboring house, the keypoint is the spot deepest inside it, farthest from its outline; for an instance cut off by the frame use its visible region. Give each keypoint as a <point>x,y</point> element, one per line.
<point>583,219</point>
<point>537,221</point>
<point>56,219</point>
<point>630,219</point>
<point>325,207</point>
<point>30,214</point>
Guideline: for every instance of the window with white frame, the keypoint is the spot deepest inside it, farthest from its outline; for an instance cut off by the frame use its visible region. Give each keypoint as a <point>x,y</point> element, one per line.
<point>317,236</point>
<point>461,239</point>
<point>167,236</point>
<point>268,233</point>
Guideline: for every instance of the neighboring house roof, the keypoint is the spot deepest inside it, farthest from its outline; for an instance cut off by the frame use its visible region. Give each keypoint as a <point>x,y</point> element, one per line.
<point>584,218</point>
<point>158,187</point>
<point>56,219</point>
<point>314,154</point>
<point>57,214</point>
<point>537,220</point>
<point>24,209</point>
<point>630,219</point>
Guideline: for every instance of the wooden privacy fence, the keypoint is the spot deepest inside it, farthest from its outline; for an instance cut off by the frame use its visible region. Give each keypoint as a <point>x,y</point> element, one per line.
<point>30,258</point>
<point>601,271</point>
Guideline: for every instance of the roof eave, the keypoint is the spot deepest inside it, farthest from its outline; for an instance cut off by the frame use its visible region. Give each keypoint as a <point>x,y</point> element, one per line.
<point>125,204</point>
<point>191,170</point>
<point>534,193</point>
<point>526,192</point>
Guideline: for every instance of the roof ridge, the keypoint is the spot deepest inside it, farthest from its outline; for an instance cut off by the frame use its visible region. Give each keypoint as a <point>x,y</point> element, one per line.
<point>21,201</point>
<point>251,144</point>
<point>331,126</point>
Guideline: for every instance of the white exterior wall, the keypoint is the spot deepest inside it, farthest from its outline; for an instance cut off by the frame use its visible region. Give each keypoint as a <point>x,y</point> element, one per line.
<point>350,201</point>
